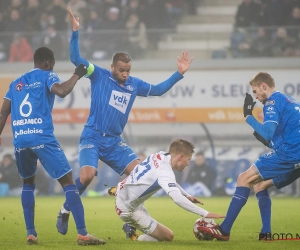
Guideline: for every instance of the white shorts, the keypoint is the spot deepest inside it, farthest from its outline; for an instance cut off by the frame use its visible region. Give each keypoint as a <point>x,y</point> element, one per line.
<point>138,218</point>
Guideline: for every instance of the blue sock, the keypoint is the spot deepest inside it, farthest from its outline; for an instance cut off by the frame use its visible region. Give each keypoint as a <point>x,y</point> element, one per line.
<point>76,207</point>
<point>27,199</point>
<point>239,199</point>
<point>264,204</point>
<point>81,188</point>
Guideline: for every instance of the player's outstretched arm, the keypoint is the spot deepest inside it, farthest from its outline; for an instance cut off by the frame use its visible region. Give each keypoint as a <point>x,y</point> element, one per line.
<point>5,111</point>
<point>195,200</point>
<point>75,56</point>
<point>74,20</point>
<point>183,62</point>
<point>214,216</point>
<point>63,89</point>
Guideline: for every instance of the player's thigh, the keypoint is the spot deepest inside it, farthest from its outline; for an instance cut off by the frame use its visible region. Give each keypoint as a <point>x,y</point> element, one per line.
<point>53,159</point>
<point>162,233</point>
<point>118,154</point>
<point>286,179</point>
<point>271,165</point>
<point>26,161</point>
<point>139,218</point>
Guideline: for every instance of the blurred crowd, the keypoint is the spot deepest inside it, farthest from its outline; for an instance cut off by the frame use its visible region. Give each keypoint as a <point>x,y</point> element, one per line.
<point>26,25</point>
<point>266,28</point>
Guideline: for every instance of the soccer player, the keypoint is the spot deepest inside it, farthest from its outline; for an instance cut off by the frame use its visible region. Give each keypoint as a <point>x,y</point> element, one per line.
<point>30,100</point>
<point>280,131</point>
<point>112,95</point>
<point>154,173</point>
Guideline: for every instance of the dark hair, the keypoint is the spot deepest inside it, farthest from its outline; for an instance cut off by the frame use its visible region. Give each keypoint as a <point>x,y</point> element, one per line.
<point>121,56</point>
<point>43,54</point>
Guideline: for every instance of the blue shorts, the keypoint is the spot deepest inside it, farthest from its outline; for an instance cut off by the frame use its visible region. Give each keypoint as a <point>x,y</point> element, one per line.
<point>51,156</point>
<point>112,150</point>
<point>272,165</point>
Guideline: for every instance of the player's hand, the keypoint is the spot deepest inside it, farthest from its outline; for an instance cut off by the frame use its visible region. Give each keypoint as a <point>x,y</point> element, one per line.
<point>183,62</point>
<point>194,200</point>
<point>248,105</point>
<point>80,70</point>
<point>214,216</point>
<point>261,139</point>
<point>74,20</point>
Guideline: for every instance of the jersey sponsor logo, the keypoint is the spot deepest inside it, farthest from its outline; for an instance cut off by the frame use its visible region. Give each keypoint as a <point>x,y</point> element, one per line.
<point>19,86</point>
<point>33,85</point>
<point>172,185</point>
<point>119,100</point>
<point>27,121</point>
<point>27,132</point>
<point>155,162</point>
<point>270,102</point>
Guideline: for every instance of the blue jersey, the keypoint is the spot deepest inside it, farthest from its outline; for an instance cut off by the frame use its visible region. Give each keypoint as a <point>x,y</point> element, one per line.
<point>31,108</point>
<point>285,112</point>
<point>110,102</point>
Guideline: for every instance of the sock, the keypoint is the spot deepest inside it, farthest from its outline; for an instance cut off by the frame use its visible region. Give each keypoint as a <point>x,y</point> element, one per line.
<point>145,237</point>
<point>81,188</point>
<point>239,199</point>
<point>76,207</point>
<point>264,204</point>
<point>28,203</point>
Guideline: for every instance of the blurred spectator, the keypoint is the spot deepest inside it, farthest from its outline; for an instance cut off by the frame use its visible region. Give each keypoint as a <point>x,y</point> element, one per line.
<point>260,44</point>
<point>32,15</point>
<point>53,40</point>
<point>112,32</point>
<point>293,23</point>
<point>239,43</point>
<point>283,45</point>
<point>9,174</point>
<point>200,177</point>
<point>271,13</point>
<point>175,10</point>
<point>20,50</point>
<point>247,14</point>
<point>57,9</point>
<point>133,6</point>
<point>136,35</point>
<point>14,22</point>
<point>191,6</point>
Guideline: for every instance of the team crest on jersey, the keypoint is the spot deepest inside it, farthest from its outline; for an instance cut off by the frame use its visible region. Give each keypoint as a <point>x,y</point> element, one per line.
<point>270,102</point>
<point>129,87</point>
<point>19,86</point>
<point>158,157</point>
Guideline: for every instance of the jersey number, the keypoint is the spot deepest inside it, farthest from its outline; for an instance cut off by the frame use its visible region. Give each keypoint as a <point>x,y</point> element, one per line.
<point>24,103</point>
<point>144,166</point>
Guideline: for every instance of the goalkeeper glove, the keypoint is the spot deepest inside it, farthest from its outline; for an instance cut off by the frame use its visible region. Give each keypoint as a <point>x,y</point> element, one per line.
<point>248,105</point>
<point>80,70</point>
<point>261,139</point>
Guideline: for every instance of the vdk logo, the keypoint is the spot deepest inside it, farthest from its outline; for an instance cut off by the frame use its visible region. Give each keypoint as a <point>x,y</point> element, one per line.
<point>119,100</point>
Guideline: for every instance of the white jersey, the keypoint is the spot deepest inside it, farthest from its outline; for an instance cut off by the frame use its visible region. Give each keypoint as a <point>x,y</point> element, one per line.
<point>147,178</point>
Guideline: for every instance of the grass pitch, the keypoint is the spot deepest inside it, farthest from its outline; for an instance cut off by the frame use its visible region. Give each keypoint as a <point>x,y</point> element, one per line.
<point>102,220</point>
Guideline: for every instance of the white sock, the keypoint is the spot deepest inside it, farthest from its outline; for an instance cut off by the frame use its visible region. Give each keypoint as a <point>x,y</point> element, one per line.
<point>145,237</point>
<point>64,211</point>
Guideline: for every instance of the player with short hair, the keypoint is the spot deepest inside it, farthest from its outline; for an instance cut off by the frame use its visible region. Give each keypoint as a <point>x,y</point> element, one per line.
<point>280,131</point>
<point>154,173</point>
<point>30,100</point>
<point>112,95</point>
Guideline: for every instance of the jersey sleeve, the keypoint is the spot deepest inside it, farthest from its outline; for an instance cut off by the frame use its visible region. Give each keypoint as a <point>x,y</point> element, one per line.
<point>52,79</point>
<point>166,178</point>
<point>143,87</point>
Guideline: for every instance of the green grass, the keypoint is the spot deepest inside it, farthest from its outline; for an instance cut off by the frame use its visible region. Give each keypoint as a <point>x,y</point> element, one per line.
<point>102,220</point>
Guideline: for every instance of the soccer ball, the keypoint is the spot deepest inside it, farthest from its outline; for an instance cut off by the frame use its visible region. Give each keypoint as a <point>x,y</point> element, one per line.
<point>204,222</point>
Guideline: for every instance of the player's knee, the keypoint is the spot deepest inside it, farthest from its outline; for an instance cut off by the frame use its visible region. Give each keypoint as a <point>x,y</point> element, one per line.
<point>242,180</point>
<point>87,175</point>
<point>169,236</point>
